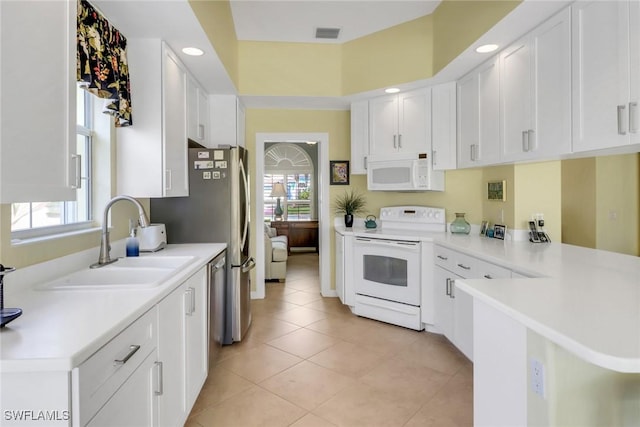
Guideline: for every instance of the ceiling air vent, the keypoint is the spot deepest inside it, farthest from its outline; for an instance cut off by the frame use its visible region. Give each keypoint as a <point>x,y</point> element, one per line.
<point>327,33</point>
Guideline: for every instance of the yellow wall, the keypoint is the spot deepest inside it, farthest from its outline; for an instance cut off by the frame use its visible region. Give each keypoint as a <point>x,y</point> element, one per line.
<point>579,202</point>
<point>459,23</point>
<point>617,203</point>
<point>396,55</point>
<point>539,190</point>
<point>601,203</point>
<point>497,212</point>
<point>289,69</point>
<point>216,18</point>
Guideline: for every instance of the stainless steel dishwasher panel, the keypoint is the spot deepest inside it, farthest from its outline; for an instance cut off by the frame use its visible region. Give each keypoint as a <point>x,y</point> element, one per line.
<point>217,298</point>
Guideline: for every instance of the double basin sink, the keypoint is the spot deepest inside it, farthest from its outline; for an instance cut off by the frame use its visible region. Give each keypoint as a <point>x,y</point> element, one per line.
<point>126,273</point>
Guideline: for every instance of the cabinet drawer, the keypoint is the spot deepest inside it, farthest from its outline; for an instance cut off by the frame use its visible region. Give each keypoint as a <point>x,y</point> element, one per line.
<point>100,376</point>
<point>465,265</point>
<point>443,257</point>
<point>487,270</point>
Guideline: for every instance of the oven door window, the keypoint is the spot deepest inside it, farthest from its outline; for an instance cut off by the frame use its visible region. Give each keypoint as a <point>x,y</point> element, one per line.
<point>385,270</point>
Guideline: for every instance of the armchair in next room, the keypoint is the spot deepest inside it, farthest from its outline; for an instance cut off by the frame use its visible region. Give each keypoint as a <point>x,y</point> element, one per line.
<point>275,253</point>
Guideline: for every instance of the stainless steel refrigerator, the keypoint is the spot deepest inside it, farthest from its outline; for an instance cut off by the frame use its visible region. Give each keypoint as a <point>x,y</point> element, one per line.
<point>216,211</point>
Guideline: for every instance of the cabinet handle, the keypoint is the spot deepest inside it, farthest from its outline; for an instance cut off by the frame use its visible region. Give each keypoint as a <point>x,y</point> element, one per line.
<point>190,301</point>
<point>448,287</point>
<point>400,141</point>
<point>621,130</point>
<point>394,141</point>
<point>78,165</point>
<point>167,178</point>
<point>159,391</point>
<point>530,141</point>
<point>444,258</point>
<point>464,266</point>
<point>132,351</point>
<point>488,276</point>
<point>633,127</point>
<point>365,162</point>
<point>473,152</point>
<point>201,131</point>
<point>433,156</point>
<point>452,290</point>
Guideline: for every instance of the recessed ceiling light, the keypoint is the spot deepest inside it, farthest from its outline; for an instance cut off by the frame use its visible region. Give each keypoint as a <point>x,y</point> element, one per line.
<point>486,48</point>
<point>192,51</point>
<point>392,90</point>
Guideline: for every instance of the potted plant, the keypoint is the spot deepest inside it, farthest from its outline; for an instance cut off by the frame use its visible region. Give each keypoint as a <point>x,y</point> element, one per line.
<point>349,204</point>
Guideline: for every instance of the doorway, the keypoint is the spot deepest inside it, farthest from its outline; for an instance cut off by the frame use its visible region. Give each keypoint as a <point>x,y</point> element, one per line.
<point>322,141</point>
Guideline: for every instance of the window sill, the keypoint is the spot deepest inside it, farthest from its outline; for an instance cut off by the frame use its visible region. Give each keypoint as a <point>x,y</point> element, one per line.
<point>29,240</point>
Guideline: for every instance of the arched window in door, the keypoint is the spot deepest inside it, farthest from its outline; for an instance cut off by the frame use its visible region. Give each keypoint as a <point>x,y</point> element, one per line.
<point>291,165</point>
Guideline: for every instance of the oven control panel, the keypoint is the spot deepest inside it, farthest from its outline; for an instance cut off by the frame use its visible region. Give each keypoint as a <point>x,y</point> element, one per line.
<point>412,214</point>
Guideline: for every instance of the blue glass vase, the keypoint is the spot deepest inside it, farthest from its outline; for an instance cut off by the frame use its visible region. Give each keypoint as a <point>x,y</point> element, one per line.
<point>460,225</point>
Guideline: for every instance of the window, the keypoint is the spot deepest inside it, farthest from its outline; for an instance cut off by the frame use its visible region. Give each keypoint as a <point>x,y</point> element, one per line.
<point>291,166</point>
<point>53,217</point>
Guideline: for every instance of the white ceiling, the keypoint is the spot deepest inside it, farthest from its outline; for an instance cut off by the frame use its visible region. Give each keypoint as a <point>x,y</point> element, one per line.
<point>295,21</point>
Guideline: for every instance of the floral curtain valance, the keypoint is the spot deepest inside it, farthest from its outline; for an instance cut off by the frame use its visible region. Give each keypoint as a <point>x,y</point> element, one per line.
<point>102,66</point>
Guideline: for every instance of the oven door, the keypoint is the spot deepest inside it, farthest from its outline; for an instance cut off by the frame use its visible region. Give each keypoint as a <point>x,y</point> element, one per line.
<point>387,269</point>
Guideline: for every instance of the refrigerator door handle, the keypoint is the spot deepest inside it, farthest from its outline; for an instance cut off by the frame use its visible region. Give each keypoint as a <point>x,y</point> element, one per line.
<point>248,265</point>
<point>246,202</point>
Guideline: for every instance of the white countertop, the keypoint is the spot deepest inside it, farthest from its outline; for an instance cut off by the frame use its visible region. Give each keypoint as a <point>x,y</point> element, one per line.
<point>60,329</point>
<point>585,300</point>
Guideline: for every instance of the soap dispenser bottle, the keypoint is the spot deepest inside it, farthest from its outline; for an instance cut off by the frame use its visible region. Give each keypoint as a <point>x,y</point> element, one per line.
<point>133,246</point>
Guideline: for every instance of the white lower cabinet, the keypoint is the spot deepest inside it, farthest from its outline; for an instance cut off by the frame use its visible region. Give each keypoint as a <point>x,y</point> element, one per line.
<point>135,404</point>
<point>182,348</point>
<point>344,269</point>
<point>454,309</point>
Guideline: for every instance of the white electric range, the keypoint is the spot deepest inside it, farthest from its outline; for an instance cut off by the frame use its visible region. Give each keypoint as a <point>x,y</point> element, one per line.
<point>392,262</point>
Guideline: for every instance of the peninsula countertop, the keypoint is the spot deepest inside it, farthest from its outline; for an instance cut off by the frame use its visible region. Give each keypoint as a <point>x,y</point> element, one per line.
<point>585,300</point>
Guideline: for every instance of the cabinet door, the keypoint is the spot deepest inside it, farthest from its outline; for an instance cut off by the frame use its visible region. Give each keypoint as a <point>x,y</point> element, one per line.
<point>37,135</point>
<point>463,321</point>
<point>135,403</point>
<point>600,49</point>
<point>383,125</point>
<point>203,117</point>
<point>443,123</point>
<point>192,110</point>
<point>488,150</point>
<point>443,302</point>
<point>359,137</point>
<point>171,353</point>
<point>340,266</point>
<point>174,108</point>
<point>197,361</point>
<point>468,130</point>
<point>414,121</point>
<point>515,89</point>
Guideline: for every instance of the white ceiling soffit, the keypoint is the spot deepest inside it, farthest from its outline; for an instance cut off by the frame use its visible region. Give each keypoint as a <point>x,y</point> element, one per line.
<point>174,22</point>
<point>297,20</point>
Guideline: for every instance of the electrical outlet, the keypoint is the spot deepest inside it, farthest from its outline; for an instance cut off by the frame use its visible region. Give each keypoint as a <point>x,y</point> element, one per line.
<point>537,377</point>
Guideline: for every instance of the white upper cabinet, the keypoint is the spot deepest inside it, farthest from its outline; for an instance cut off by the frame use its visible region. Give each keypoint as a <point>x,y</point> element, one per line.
<point>152,153</point>
<point>197,112</point>
<point>400,123</point>
<point>535,89</point>
<point>227,121</point>
<point>605,74</point>
<point>479,116</point>
<point>359,137</point>
<point>443,126</point>
<point>38,102</point>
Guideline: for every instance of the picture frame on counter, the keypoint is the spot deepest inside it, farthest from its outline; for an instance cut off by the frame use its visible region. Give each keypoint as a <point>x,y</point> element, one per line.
<point>483,228</point>
<point>499,231</point>
<point>339,172</point>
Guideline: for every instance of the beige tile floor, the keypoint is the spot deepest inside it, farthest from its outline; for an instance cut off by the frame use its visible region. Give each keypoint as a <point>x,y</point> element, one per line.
<point>307,361</point>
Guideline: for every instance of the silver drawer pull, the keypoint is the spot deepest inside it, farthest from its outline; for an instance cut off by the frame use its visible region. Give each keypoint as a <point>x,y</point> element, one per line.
<point>444,258</point>
<point>464,266</point>
<point>488,276</point>
<point>160,373</point>
<point>132,351</point>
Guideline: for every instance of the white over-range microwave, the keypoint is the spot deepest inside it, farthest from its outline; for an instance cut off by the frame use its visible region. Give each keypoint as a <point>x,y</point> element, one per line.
<point>410,173</point>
